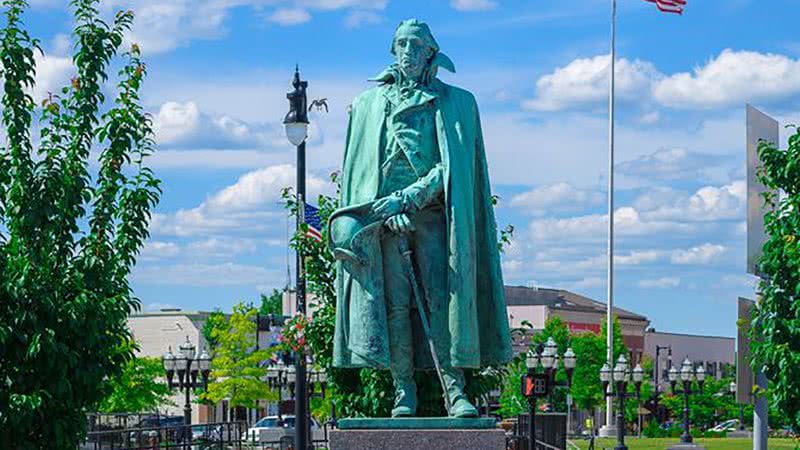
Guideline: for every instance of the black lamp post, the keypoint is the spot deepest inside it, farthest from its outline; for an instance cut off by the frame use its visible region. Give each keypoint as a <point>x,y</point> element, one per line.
<point>187,368</point>
<point>658,378</point>
<point>296,123</point>
<point>732,388</point>
<point>687,376</point>
<point>621,376</point>
<point>537,385</point>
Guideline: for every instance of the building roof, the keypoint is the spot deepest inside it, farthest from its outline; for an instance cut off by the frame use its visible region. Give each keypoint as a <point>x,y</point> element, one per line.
<point>561,299</point>
<point>166,312</point>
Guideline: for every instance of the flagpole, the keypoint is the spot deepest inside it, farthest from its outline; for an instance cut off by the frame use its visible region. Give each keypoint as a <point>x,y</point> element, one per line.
<point>610,294</point>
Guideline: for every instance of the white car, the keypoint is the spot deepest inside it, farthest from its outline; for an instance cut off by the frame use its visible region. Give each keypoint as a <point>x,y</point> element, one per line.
<point>273,428</point>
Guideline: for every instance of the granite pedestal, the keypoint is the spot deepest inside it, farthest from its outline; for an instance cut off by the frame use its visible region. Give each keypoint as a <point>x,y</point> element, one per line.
<point>682,446</point>
<point>417,433</point>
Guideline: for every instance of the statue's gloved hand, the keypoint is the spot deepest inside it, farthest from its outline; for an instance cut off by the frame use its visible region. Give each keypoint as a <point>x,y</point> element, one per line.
<point>400,224</point>
<point>388,206</point>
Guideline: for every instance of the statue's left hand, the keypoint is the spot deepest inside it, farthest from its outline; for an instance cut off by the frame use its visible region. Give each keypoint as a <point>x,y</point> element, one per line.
<point>388,206</point>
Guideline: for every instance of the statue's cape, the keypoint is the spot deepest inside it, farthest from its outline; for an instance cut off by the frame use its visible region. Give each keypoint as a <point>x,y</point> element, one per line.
<point>478,324</point>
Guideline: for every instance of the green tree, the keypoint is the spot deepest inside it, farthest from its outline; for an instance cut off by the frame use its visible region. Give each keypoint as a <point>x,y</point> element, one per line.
<point>272,303</point>
<point>68,240</point>
<point>590,354</point>
<point>775,335</point>
<point>215,325</point>
<point>138,388</point>
<point>237,370</point>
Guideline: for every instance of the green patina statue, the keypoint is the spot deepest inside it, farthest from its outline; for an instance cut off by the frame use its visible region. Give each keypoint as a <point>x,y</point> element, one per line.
<point>418,268</point>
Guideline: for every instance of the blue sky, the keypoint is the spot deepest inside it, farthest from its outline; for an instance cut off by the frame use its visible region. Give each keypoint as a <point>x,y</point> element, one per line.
<point>219,71</point>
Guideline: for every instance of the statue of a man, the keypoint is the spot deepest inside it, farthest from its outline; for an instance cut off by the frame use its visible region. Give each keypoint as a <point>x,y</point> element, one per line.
<point>415,171</point>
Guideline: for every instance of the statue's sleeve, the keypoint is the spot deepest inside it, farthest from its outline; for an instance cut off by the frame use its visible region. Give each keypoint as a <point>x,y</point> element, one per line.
<point>425,191</point>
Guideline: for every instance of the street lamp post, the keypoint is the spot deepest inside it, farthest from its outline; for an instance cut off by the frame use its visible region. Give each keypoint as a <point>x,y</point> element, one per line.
<point>296,124</point>
<point>658,377</point>
<point>732,389</point>
<point>687,376</point>
<point>187,368</point>
<point>537,385</point>
<point>620,375</point>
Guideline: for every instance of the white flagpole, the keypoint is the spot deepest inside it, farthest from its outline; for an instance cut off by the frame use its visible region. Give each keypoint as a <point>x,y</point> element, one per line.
<point>610,294</point>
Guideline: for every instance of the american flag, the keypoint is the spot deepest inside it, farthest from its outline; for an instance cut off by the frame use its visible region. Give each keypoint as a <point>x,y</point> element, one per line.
<point>314,222</point>
<point>669,6</point>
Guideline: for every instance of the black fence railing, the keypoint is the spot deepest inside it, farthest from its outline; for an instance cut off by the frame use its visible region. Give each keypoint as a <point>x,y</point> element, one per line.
<point>208,436</point>
<point>551,432</point>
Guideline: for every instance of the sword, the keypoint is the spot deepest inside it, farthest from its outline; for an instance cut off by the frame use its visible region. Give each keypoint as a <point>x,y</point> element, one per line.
<point>405,251</point>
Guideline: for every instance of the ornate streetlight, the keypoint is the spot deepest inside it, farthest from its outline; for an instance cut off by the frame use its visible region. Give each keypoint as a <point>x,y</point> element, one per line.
<point>296,123</point>
<point>620,375</point>
<point>732,389</point>
<point>187,367</point>
<point>538,385</point>
<point>687,376</point>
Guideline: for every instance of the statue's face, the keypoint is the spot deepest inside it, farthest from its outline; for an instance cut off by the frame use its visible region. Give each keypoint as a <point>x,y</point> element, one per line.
<point>412,54</point>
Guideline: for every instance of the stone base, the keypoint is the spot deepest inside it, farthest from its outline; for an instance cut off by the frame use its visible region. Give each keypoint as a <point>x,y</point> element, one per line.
<point>681,446</point>
<point>417,423</point>
<point>406,439</point>
<point>607,431</point>
<point>739,434</point>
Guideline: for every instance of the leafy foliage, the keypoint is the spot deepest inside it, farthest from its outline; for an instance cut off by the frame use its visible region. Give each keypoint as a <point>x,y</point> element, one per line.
<point>237,371</point>
<point>139,388</point>
<point>590,354</point>
<point>272,303</point>
<point>216,321</point>
<point>68,241</point>
<point>775,338</point>
<point>706,408</point>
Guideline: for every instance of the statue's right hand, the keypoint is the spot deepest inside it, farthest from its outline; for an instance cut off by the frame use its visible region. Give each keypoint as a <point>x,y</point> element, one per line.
<point>400,224</point>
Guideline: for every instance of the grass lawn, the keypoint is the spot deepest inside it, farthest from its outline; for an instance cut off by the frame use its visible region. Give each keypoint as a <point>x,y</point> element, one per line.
<point>709,444</point>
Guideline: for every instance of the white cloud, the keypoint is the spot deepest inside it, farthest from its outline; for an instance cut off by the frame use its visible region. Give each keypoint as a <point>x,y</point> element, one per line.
<point>732,78</point>
<point>473,5</point>
<point>163,26</point>
<point>594,227</point>
<point>154,250</point>
<point>650,118</point>
<point>709,203</point>
<point>660,283</point>
<point>556,197</point>
<point>356,19</point>
<point>633,258</point>
<point>206,275</point>
<point>670,164</point>
<point>183,125</point>
<point>584,81</point>
<point>221,247</point>
<point>249,205</point>
<point>703,254</point>
<point>52,73</point>
<point>587,283</point>
<point>290,16</point>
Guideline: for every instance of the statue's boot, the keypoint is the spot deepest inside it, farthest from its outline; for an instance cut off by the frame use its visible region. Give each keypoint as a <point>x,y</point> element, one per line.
<point>405,398</point>
<point>460,405</point>
<point>401,365</point>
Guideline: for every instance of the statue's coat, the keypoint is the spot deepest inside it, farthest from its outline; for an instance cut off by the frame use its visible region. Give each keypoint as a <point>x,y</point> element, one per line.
<point>478,325</point>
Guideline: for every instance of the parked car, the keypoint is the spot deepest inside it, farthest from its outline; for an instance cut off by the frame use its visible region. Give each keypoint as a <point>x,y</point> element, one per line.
<point>726,426</point>
<point>273,428</point>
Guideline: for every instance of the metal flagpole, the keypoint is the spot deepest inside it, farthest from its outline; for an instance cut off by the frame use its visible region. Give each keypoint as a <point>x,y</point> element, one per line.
<point>610,294</point>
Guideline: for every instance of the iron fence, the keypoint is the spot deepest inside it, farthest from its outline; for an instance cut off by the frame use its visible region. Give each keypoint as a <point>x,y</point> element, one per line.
<point>551,432</point>
<point>208,436</point>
